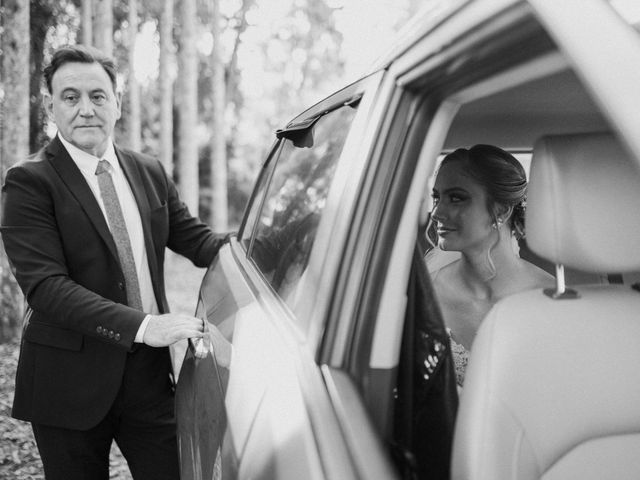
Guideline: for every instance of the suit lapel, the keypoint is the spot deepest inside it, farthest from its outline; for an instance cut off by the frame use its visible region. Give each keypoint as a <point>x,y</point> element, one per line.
<point>77,185</point>
<point>131,170</point>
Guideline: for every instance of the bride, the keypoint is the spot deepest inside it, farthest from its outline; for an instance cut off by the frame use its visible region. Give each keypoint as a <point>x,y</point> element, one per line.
<point>478,210</point>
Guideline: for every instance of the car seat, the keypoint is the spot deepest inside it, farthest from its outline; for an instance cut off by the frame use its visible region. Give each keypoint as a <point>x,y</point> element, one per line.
<point>552,390</point>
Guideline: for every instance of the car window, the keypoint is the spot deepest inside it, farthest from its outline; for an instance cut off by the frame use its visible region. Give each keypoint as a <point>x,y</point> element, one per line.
<point>289,215</point>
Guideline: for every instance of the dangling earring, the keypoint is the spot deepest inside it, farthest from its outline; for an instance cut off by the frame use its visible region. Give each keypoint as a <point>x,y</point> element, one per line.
<point>498,224</point>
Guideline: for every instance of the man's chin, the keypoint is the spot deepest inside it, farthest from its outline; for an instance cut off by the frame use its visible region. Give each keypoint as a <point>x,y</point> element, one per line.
<point>90,145</point>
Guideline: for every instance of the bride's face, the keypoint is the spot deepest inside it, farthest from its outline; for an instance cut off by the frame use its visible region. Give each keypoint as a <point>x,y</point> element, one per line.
<point>460,212</point>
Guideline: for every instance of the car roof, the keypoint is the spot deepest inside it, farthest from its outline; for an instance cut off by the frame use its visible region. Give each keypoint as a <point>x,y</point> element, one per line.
<point>555,101</point>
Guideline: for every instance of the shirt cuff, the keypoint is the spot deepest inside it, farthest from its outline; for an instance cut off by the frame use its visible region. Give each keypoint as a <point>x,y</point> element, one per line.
<point>143,328</point>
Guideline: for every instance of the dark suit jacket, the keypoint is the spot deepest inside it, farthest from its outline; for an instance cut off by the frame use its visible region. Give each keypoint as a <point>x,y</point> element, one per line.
<point>78,329</point>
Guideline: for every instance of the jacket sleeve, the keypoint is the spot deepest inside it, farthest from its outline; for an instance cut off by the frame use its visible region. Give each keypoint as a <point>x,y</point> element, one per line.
<point>34,245</point>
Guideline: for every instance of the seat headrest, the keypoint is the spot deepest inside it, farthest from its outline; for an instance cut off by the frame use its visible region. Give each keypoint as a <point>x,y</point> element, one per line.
<point>583,203</point>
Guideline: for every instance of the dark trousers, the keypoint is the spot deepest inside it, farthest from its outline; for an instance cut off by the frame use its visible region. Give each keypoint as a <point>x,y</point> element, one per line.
<point>141,421</point>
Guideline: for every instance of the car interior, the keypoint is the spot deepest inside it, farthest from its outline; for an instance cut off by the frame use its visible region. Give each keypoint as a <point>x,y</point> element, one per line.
<point>552,388</point>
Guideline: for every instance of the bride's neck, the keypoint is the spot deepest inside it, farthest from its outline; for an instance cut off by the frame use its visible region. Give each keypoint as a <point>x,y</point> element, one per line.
<point>483,271</point>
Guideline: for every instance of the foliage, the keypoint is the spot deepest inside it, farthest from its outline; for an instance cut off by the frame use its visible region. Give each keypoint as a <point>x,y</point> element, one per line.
<point>19,457</point>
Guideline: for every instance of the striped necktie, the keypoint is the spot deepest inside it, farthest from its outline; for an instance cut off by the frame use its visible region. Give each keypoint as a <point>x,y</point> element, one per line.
<point>119,233</point>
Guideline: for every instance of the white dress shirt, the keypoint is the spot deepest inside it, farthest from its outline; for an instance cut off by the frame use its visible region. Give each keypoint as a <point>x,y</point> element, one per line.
<point>87,164</point>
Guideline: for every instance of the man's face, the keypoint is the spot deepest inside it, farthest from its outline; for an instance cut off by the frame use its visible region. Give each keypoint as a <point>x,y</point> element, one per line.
<point>83,105</point>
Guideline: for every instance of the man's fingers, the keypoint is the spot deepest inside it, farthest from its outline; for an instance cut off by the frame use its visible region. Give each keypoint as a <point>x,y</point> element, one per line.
<point>164,330</point>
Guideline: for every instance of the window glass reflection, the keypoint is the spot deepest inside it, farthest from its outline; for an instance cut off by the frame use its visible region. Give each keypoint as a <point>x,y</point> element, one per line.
<point>295,200</point>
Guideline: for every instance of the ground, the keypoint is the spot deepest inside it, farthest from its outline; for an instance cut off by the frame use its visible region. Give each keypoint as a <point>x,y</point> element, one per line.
<point>19,459</point>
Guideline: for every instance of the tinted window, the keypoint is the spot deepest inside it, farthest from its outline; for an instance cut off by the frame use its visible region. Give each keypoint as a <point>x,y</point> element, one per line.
<point>295,199</point>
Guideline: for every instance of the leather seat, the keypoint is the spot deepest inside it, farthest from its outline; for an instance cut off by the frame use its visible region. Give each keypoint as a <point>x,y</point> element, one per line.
<point>552,390</point>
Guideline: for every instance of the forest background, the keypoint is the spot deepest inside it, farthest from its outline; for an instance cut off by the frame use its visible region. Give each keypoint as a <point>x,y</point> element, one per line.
<point>205,84</point>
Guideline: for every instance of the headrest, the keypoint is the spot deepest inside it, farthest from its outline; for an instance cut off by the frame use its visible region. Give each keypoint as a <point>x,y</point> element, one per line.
<point>583,203</point>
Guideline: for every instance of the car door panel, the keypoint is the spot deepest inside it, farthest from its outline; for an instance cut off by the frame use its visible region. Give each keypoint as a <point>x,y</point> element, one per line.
<point>201,418</point>
<point>243,406</point>
<point>203,379</point>
<point>370,457</point>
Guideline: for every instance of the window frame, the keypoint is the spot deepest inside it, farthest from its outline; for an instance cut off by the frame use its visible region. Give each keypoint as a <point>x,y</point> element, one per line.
<point>264,179</point>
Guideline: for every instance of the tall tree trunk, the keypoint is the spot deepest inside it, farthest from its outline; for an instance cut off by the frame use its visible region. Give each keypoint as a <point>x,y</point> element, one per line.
<point>103,26</point>
<point>219,203</point>
<point>233,96</point>
<point>233,89</point>
<point>188,108</point>
<point>166,75</point>
<point>86,22</point>
<point>14,137</point>
<point>42,18</point>
<point>135,137</point>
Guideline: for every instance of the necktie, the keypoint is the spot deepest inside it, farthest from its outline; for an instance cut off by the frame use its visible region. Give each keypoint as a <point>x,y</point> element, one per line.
<point>119,233</point>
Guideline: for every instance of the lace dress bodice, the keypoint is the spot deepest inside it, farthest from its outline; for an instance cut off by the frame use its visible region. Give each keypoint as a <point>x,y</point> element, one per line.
<point>460,358</point>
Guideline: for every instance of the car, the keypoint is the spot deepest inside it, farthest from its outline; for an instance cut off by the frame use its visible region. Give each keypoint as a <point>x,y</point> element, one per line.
<point>325,358</point>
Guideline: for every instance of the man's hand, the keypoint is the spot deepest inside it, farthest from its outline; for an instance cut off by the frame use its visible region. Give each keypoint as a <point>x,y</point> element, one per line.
<point>167,329</point>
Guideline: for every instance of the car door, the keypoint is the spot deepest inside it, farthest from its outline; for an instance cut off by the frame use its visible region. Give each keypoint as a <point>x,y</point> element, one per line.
<point>251,400</point>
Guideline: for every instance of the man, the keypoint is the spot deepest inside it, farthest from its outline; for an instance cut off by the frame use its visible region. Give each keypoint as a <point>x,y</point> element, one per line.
<point>94,362</point>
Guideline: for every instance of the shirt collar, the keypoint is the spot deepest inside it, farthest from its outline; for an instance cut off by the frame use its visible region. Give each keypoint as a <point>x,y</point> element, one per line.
<point>88,163</point>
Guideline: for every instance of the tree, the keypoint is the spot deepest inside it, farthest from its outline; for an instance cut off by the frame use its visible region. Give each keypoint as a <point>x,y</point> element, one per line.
<point>188,108</point>
<point>103,26</point>
<point>238,186</point>
<point>219,204</point>
<point>14,144</point>
<point>166,85</point>
<point>133,88</point>
<point>86,22</point>
<point>44,14</point>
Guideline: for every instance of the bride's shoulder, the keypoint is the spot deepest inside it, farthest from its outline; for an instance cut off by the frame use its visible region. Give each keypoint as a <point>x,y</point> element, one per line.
<point>437,260</point>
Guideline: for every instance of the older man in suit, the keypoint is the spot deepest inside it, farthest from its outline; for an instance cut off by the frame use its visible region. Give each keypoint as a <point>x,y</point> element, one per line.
<point>85,225</point>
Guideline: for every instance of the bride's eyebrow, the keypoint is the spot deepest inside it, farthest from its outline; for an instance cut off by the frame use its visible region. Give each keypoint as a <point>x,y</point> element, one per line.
<point>448,191</point>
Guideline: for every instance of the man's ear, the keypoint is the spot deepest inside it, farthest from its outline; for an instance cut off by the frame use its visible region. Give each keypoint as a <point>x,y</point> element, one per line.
<point>119,104</point>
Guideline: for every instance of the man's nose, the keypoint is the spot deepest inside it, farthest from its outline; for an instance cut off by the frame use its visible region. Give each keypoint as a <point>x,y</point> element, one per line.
<point>86,107</point>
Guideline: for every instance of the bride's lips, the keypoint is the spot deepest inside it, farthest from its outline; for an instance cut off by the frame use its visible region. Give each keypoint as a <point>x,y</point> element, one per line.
<point>442,231</point>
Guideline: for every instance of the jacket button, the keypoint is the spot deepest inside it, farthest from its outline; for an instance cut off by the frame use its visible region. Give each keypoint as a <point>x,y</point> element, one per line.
<point>117,337</point>
<point>99,329</point>
<point>110,333</point>
<point>121,285</point>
